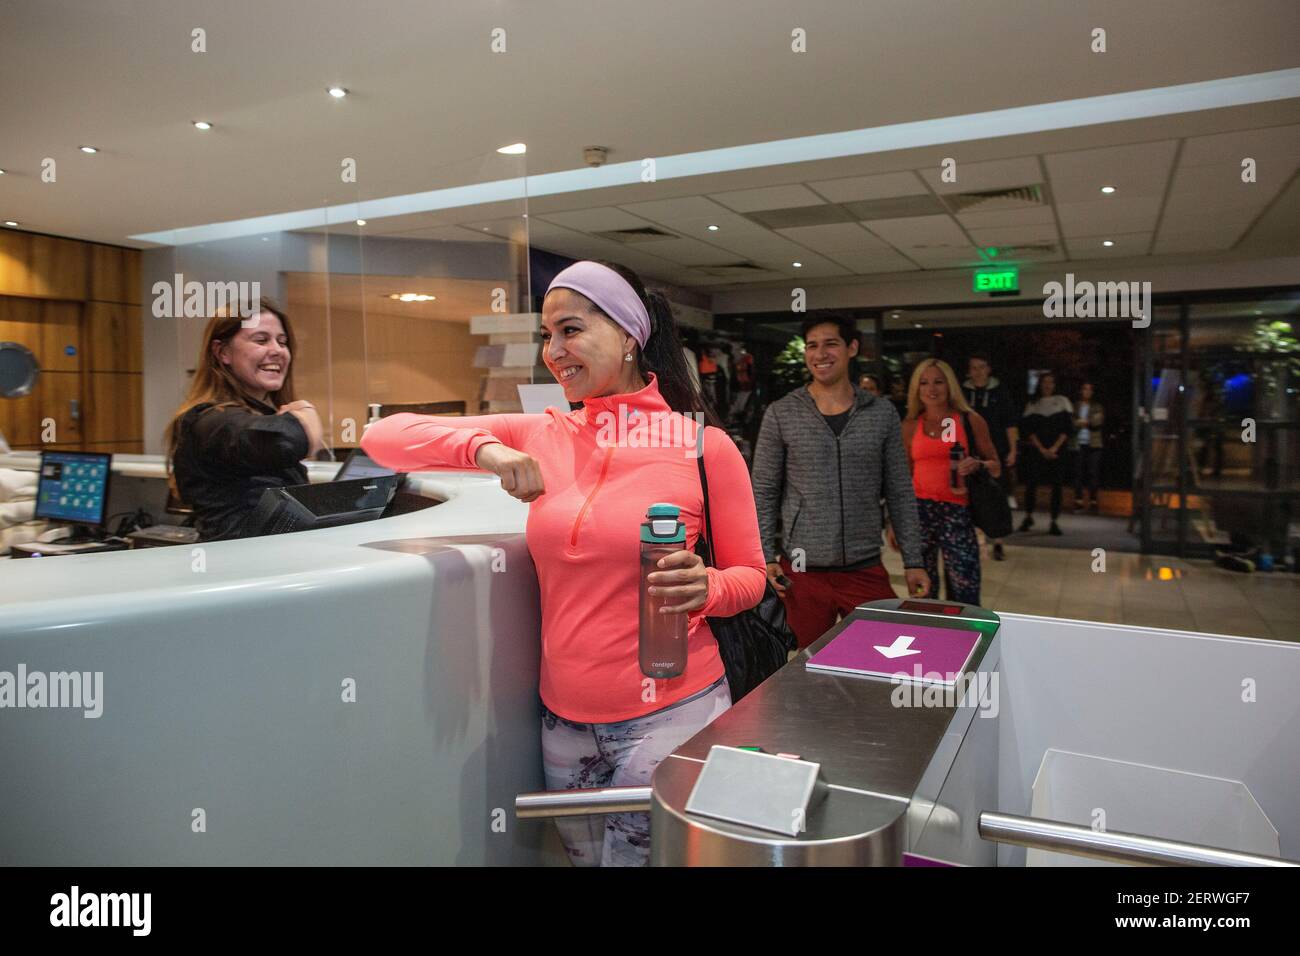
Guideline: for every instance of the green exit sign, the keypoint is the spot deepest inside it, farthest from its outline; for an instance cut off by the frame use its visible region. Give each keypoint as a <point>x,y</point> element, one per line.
<point>997,280</point>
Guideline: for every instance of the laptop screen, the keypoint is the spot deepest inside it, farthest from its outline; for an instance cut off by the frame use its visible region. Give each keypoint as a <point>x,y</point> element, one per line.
<point>361,465</point>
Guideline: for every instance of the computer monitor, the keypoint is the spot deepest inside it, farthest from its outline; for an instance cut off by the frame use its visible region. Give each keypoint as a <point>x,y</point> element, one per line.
<point>326,505</point>
<point>360,465</point>
<point>72,488</point>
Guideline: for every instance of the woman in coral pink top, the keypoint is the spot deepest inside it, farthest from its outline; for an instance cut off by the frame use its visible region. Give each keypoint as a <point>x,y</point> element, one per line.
<point>589,476</point>
<point>935,428</point>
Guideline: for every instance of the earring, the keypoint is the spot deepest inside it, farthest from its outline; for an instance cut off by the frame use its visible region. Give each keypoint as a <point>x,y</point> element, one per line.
<point>627,357</point>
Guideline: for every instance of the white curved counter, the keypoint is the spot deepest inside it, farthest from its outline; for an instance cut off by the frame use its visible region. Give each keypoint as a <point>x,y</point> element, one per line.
<point>360,694</point>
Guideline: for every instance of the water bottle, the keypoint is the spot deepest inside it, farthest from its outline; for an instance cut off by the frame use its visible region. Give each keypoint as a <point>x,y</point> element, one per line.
<point>663,636</point>
<point>956,480</point>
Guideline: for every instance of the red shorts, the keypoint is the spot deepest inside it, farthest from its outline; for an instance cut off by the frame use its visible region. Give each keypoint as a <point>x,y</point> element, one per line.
<point>815,600</point>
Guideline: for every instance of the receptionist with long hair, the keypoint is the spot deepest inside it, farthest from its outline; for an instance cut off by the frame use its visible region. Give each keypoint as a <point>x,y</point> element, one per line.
<point>240,429</point>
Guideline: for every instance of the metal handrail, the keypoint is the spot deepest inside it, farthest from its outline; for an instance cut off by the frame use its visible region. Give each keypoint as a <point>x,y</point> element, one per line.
<point>580,803</point>
<point>1114,847</point>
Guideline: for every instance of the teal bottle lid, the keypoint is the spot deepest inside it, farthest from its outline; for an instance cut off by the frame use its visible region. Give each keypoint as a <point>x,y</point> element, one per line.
<point>663,525</point>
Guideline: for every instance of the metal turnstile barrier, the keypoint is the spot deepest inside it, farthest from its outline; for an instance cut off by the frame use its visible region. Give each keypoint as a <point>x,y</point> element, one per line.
<point>867,759</point>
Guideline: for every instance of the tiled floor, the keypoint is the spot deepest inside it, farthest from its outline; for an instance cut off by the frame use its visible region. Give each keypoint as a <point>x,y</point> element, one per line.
<point>1148,591</point>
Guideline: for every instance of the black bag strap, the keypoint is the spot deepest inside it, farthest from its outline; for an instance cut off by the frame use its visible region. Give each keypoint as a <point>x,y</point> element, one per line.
<point>704,486</point>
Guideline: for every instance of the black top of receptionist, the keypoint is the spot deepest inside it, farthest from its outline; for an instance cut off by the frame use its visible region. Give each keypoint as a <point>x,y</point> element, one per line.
<point>228,455</point>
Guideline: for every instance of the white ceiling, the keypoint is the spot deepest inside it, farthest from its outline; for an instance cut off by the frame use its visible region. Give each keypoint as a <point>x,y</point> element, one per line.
<point>430,102</point>
<point>1173,195</point>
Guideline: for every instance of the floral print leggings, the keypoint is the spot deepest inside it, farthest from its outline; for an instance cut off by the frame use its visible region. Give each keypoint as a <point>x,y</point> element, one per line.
<point>947,527</point>
<point>623,754</point>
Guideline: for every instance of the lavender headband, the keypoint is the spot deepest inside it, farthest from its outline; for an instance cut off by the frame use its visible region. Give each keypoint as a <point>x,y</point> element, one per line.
<point>609,290</point>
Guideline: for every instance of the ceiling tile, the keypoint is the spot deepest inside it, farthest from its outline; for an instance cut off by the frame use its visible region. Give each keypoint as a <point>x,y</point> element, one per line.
<point>679,209</point>
<point>986,176</point>
<point>1127,245</point>
<point>869,262</point>
<point>857,188</point>
<point>1109,214</point>
<point>687,252</point>
<point>835,237</point>
<point>994,218</point>
<point>1277,146</point>
<point>769,197</point>
<point>600,219</point>
<point>1139,170</point>
<point>1015,235</point>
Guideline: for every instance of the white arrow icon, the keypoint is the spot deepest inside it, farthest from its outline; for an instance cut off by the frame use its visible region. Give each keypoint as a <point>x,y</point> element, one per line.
<point>901,647</point>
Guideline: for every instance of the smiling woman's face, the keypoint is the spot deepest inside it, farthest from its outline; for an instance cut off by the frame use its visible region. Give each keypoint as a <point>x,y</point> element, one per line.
<point>583,348</point>
<point>257,356</point>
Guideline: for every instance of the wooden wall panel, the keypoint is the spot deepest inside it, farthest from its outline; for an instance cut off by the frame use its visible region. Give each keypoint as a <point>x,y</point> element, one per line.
<point>112,339</point>
<point>114,407</point>
<point>90,352</point>
<point>56,392</point>
<point>116,447</point>
<point>20,419</point>
<point>20,321</point>
<point>43,267</point>
<point>114,275</point>
<point>60,331</point>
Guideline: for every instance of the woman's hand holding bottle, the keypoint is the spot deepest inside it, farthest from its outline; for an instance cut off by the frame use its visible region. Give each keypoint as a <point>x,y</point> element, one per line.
<point>684,578</point>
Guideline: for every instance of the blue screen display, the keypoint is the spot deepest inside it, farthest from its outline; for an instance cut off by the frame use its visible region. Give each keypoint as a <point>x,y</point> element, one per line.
<point>73,487</point>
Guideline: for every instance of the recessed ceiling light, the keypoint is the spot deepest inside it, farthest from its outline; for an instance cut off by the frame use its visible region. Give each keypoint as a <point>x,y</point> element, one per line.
<point>411,296</point>
<point>1108,189</point>
<point>361,222</point>
<point>916,325</point>
<point>1107,243</point>
<point>2,172</point>
<point>338,92</point>
<point>10,222</point>
<point>894,315</point>
<point>89,149</point>
<point>797,265</point>
<point>514,149</point>
<point>713,228</point>
<point>266,238</point>
<point>202,124</point>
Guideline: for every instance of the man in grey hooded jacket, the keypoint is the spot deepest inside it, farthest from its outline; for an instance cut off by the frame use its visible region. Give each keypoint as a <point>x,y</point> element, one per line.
<point>825,456</point>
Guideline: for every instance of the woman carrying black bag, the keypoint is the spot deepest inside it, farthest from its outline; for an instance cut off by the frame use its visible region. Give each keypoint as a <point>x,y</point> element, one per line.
<point>753,644</point>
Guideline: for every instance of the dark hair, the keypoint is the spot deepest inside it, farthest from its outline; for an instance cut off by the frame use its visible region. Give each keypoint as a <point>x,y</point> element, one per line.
<point>848,328</point>
<point>1038,388</point>
<point>978,355</point>
<point>662,353</point>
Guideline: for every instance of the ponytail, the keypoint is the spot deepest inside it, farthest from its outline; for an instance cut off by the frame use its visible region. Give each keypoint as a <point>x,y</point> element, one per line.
<point>663,353</point>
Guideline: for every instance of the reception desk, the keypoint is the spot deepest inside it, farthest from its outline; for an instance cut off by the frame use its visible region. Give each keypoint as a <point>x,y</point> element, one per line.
<point>364,694</point>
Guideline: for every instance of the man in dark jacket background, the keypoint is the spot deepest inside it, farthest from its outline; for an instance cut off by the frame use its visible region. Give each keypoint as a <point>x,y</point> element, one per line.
<point>826,453</point>
<point>992,400</point>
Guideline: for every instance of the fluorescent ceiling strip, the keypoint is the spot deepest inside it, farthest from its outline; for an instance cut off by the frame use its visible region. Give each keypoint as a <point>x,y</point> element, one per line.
<point>1043,117</point>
